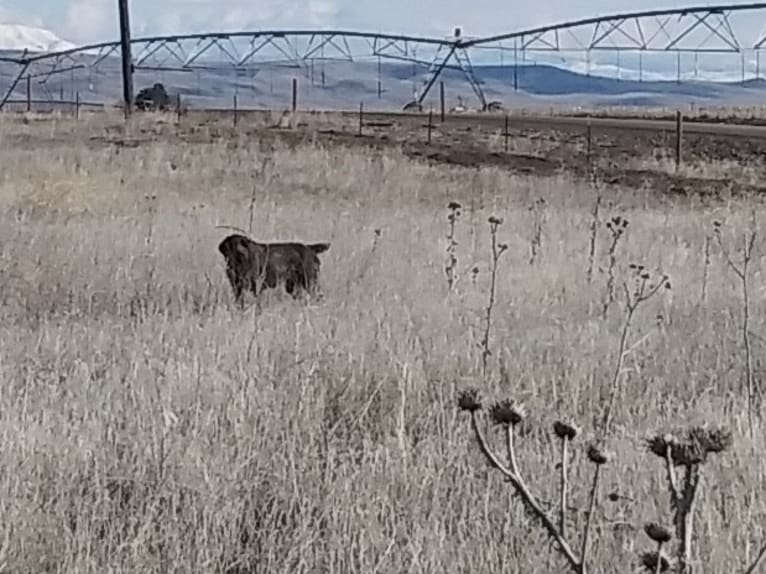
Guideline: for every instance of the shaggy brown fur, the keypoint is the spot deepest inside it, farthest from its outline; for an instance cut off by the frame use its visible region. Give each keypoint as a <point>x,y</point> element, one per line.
<point>255,266</point>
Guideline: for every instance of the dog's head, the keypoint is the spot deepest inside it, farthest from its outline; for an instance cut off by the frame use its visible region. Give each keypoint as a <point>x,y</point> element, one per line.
<point>235,248</point>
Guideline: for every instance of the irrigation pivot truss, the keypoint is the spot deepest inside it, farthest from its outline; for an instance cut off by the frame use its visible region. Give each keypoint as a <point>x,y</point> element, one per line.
<point>698,30</point>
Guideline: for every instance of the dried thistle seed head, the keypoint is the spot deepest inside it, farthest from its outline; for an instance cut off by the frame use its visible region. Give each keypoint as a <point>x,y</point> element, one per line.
<point>495,220</point>
<point>469,400</point>
<point>658,533</point>
<point>565,430</point>
<point>507,412</point>
<point>682,452</point>
<point>597,455</point>
<point>717,224</point>
<point>668,285</point>
<point>693,446</point>
<point>475,270</point>
<point>454,205</point>
<point>650,560</point>
<point>712,440</point>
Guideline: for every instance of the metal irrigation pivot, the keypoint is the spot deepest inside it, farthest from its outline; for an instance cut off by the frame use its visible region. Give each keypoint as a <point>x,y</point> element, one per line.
<point>127,59</point>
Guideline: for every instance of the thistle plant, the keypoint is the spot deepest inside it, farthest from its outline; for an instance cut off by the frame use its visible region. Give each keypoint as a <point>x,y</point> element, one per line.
<point>688,450</point>
<point>656,562</point>
<point>451,267</point>
<point>617,227</point>
<point>645,287</point>
<point>509,414</point>
<point>497,252</point>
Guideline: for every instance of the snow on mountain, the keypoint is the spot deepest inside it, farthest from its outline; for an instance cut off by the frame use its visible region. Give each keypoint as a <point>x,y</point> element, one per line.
<point>19,37</point>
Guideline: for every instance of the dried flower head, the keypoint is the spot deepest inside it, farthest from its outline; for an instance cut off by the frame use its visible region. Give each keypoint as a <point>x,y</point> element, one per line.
<point>682,453</point>
<point>469,400</point>
<point>650,561</point>
<point>507,412</point>
<point>565,430</point>
<point>658,533</point>
<point>692,446</point>
<point>713,440</point>
<point>598,455</point>
<point>495,220</point>
<point>454,205</point>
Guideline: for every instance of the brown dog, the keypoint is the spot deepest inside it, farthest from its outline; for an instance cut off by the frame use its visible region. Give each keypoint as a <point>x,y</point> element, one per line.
<point>254,266</point>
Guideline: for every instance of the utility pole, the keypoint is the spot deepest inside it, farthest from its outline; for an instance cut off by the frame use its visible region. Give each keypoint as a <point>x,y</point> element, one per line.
<point>127,59</point>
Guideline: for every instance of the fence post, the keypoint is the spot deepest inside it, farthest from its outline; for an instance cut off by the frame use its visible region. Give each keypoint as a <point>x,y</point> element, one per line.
<point>178,108</point>
<point>441,100</point>
<point>679,136</point>
<point>507,133</point>
<point>235,111</point>
<point>361,117</point>
<point>589,138</point>
<point>77,105</point>
<point>295,94</point>
<point>430,123</point>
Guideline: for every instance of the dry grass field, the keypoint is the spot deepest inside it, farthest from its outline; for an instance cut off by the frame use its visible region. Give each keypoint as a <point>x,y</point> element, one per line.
<point>150,425</point>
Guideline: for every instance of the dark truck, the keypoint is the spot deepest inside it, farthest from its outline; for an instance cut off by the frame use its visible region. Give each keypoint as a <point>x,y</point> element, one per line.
<point>154,98</point>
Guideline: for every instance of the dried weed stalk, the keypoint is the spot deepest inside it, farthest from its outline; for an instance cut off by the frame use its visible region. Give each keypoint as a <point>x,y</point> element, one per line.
<point>688,450</point>
<point>753,568</point>
<point>537,209</point>
<point>261,172</point>
<point>706,271</point>
<point>741,271</point>
<point>508,414</point>
<point>497,252</point>
<point>645,286</point>
<point>451,267</point>
<point>594,227</point>
<point>617,227</point>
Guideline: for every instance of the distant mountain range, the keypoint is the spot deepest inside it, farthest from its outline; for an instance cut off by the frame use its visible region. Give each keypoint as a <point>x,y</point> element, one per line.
<point>17,38</point>
<point>343,85</point>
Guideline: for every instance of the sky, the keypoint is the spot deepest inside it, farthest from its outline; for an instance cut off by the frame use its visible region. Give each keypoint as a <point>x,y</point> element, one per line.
<point>83,21</point>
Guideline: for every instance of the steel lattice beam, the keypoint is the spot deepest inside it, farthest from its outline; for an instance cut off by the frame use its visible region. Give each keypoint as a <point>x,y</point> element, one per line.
<point>701,29</point>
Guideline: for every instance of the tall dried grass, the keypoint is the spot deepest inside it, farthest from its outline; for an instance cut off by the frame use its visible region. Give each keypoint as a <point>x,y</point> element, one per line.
<point>149,425</point>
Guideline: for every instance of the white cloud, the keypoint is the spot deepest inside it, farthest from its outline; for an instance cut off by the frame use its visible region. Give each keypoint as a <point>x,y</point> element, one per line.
<point>9,16</point>
<point>90,21</point>
<point>179,16</point>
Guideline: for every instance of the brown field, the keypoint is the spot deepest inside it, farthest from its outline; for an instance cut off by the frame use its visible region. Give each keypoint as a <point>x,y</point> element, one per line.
<point>150,425</point>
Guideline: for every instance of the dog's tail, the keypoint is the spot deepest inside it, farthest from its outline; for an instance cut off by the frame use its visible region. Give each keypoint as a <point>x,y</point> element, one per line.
<point>319,247</point>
